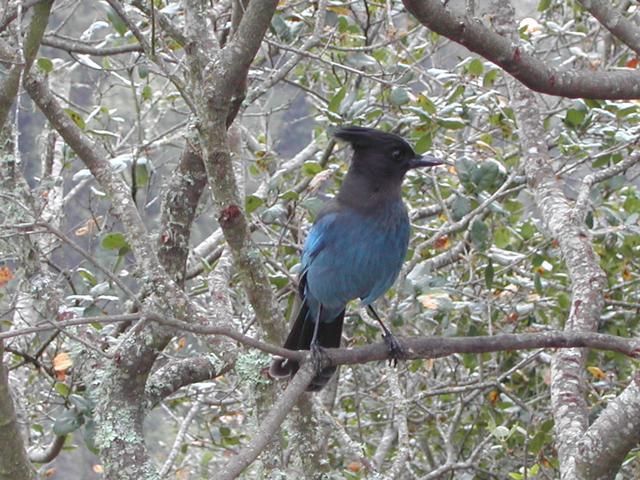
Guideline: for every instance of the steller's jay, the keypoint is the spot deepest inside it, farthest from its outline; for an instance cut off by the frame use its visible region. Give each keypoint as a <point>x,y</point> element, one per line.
<point>355,248</point>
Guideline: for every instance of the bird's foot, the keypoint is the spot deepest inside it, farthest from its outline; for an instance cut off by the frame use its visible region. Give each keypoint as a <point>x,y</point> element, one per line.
<point>318,357</point>
<point>394,347</point>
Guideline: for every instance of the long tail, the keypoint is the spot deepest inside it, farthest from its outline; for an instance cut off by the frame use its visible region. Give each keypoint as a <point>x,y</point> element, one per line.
<point>300,336</point>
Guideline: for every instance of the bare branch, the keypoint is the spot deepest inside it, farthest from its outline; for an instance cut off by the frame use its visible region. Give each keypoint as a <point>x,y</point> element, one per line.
<point>608,440</point>
<point>270,425</point>
<point>532,72</point>
<point>177,442</point>
<point>84,48</point>
<point>12,13</point>
<point>613,20</point>
<point>582,202</point>
<point>51,452</point>
<point>10,83</point>
<point>14,462</point>
<point>171,377</point>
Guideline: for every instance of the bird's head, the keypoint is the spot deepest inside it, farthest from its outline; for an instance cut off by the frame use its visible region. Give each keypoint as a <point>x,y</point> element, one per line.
<point>382,154</point>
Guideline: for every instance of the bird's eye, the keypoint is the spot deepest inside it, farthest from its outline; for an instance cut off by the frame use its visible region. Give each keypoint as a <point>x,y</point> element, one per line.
<point>396,154</point>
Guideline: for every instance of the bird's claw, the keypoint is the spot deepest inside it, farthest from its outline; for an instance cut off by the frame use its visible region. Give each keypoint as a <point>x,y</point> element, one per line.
<point>318,357</point>
<point>395,348</point>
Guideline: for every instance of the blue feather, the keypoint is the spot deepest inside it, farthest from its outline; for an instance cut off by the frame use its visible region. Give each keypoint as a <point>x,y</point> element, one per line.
<point>353,255</point>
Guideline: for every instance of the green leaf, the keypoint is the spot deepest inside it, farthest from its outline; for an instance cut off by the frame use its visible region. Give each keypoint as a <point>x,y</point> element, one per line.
<point>574,117</point>
<point>475,67</point>
<point>280,27</point>
<point>82,404</point>
<point>488,274</point>
<point>62,389</point>
<point>313,205</point>
<point>361,60</point>
<point>490,78</point>
<point>543,5</point>
<point>426,104</point>
<point>416,365</point>
<point>252,202</point>
<point>336,100</point>
<point>480,235</point>
<point>114,241</point>
<point>87,276</point>
<point>143,71</point>
<point>451,123</point>
<point>460,207</point>
<point>143,172</point>
<point>399,96</point>
<point>486,175</point>
<point>311,168</point>
<point>537,284</point>
<point>45,65</point>
<point>465,169</point>
<point>424,143</point>
<point>67,422</point>
<point>117,22</point>
<point>206,458</point>
<point>536,443</point>
<point>501,237</point>
<point>147,93</point>
<point>274,214</point>
<point>564,301</point>
<point>527,230</point>
<point>290,195</point>
<point>76,117</point>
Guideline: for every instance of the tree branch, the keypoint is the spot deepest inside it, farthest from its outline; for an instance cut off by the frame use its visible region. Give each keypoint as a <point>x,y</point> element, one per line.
<point>271,423</point>
<point>171,377</point>
<point>14,462</point>
<point>612,435</point>
<point>179,206</point>
<point>12,13</point>
<point>533,73</point>
<point>11,82</point>
<point>52,451</point>
<point>613,20</point>
<point>77,46</point>
<point>587,278</point>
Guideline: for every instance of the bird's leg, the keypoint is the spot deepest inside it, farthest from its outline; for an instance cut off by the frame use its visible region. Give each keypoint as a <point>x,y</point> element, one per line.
<point>317,352</point>
<point>394,347</point>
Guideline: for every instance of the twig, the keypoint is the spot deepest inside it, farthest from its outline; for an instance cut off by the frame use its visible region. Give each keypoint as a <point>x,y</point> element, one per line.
<point>270,425</point>
<point>177,443</point>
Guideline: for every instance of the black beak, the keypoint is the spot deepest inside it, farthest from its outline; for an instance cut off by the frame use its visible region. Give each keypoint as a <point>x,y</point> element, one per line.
<point>424,161</point>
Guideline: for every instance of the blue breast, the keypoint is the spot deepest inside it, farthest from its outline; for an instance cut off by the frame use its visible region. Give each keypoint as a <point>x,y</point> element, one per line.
<point>350,255</point>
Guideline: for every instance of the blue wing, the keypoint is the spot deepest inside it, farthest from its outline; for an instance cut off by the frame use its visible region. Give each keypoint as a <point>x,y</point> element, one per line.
<point>349,255</point>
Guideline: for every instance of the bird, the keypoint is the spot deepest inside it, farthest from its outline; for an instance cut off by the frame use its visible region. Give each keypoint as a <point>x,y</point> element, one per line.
<point>354,249</point>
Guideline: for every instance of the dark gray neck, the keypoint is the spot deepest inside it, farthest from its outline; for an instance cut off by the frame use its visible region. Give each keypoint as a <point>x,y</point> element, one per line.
<point>364,192</point>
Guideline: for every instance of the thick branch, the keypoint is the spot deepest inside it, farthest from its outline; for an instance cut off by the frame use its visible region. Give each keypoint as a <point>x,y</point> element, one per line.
<point>179,206</point>
<point>14,463</point>
<point>587,279</point>
<point>613,20</point>
<point>218,73</point>
<point>532,72</point>
<point>608,441</point>
<point>10,83</point>
<point>51,452</point>
<point>237,55</point>
<point>12,13</point>
<point>175,375</point>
